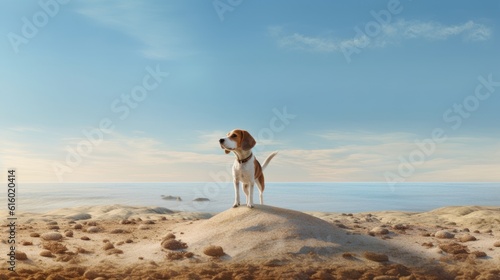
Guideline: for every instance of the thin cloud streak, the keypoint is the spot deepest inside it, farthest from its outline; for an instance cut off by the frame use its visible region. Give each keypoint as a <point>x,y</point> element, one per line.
<point>347,157</point>
<point>368,156</point>
<point>390,34</point>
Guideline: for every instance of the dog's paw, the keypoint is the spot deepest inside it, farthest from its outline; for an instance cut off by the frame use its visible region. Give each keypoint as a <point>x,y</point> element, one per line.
<point>249,205</point>
<point>236,205</point>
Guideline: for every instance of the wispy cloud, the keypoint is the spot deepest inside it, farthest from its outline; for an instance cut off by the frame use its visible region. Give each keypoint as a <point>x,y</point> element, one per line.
<point>389,34</point>
<point>345,157</point>
<point>367,156</point>
<point>150,24</point>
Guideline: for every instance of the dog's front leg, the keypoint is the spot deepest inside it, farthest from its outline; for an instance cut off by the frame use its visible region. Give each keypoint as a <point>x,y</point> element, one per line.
<point>236,194</point>
<point>249,193</point>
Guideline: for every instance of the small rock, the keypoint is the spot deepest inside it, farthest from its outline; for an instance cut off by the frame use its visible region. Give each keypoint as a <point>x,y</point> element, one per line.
<point>93,229</point>
<point>376,257</point>
<point>144,227</point>
<point>466,238</point>
<point>118,231</point>
<point>175,256</point>
<point>443,234</point>
<point>172,244</point>
<point>86,238</point>
<point>400,227</point>
<point>51,236</point>
<point>379,231</point>
<point>34,234</point>
<point>78,226</point>
<point>108,246</point>
<point>213,251</point>
<point>54,227</point>
<point>201,199</point>
<point>169,197</point>
<point>114,251</point>
<point>27,243</point>
<point>453,248</point>
<point>81,250</point>
<point>169,236</point>
<point>347,255</point>
<point>68,233</point>
<point>46,253</point>
<point>21,256</point>
<point>496,244</point>
<point>479,254</point>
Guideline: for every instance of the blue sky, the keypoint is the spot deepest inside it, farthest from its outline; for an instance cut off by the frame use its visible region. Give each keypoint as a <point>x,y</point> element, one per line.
<point>343,90</point>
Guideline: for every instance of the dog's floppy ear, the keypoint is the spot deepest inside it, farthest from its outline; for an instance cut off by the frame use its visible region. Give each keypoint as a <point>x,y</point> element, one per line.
<point>247,142</point>
<point>227,151</point>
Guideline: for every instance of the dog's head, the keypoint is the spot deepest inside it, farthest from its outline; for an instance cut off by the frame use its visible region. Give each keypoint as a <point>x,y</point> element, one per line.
<point>237,139</point>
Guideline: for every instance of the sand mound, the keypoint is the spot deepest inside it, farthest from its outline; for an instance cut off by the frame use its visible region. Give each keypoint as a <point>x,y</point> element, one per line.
<point>266,232</point>
<point>473,217</point>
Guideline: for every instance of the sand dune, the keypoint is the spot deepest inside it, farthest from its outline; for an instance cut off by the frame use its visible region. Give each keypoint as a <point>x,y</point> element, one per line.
<point>123,242</point>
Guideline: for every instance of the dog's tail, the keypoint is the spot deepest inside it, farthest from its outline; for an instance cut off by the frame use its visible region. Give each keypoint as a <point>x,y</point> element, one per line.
<point>268,159</point>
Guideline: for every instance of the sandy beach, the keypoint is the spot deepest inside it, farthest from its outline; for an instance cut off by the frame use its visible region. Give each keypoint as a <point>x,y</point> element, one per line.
<point>123,242</point>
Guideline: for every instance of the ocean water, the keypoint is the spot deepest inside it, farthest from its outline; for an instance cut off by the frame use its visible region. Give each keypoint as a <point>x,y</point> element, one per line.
<point>325,197</point>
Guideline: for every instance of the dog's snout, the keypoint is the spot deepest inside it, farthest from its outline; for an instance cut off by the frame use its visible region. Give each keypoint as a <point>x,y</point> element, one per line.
<point>221,140</point>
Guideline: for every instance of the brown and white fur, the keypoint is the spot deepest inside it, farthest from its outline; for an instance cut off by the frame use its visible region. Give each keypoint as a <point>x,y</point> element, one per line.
<point>246,168</point>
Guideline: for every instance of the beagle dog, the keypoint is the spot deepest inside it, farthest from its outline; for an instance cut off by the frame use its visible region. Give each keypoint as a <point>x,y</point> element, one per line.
<point>246,168</point>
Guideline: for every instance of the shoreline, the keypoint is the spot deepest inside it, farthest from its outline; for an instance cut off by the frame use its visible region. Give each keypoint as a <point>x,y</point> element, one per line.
<point>119,241</point>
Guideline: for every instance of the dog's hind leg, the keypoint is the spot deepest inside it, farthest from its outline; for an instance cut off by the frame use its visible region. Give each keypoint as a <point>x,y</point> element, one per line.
<point>261,185</point>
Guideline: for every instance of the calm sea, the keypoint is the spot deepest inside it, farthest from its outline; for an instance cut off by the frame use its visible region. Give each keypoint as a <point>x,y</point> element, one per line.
<point>325,197</point>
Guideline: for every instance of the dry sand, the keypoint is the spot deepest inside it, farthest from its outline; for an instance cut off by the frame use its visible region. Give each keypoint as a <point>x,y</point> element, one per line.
<point>122,242</point>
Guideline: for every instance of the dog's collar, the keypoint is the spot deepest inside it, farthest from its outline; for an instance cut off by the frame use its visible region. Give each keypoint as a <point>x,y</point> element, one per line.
<point>246,159</point>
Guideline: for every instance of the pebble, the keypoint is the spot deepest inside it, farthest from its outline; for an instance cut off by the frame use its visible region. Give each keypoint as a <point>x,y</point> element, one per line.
<point>376,257</point>
<point>466,238</point>
<point>46,253</point>
<point>443,234</point>
<point>213,251</point>
<point>93,229</point>
<point>51,236</point>
<point>400,226</point>
<point>379,231</point>
<point>21,256</point>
